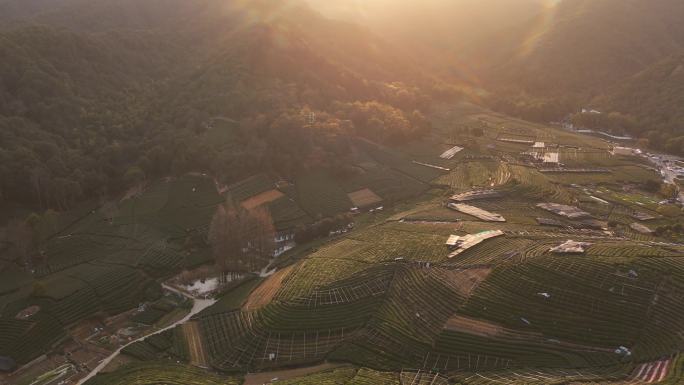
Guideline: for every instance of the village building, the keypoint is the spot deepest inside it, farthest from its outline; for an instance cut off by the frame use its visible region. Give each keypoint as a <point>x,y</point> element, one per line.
<point>284,241</point>
<point>551,158</point>
<point>475,195</point>
<point>591,223</point>
<point>476,212</point>
<point>541,156</point>
<point>570,247</point>
<point>450,153</point>
<point>550,222</point>
<point>463,243</point>
<point>639,228</point>
<point>564,210</point>
<point>642,216</point>
<point>453,241</point>
<point>624,151</point>
<point>516,141</point>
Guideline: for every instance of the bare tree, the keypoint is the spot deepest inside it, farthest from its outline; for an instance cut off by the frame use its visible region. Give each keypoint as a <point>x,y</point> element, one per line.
<point>262,237</point>
<point>21,236</point>
<point>225,236</point>
<point>39,179</point>
<point>242,240</point>
<point>219,238</point>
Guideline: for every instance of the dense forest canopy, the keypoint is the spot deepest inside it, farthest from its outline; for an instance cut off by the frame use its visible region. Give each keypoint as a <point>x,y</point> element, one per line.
<point>598,54</point>
<point>98,95</point>
<point>546,60</point>
<point>84,108</point>
<point>654,97</point>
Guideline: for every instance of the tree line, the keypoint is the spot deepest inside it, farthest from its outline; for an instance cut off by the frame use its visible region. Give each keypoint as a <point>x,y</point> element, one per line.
<point>85,116</point>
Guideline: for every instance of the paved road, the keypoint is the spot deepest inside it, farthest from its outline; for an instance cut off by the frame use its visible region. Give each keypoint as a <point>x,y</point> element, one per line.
<point>668,175</point>
<point>197,306</point>
<point>658,160</point>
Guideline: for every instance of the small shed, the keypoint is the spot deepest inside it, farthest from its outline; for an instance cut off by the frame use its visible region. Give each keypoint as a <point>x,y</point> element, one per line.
<point>453,241</point>
<point>551,157</point>
<point>624,151</point>
<point>638,227</point>
<point>570,247</point>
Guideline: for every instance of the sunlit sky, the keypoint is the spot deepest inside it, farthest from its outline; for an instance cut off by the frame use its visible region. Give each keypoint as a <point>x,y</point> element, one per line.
<point>451,23</point>
<point>375,8</point>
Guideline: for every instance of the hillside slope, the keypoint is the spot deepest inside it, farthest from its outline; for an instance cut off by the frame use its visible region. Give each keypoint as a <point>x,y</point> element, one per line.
<point>616,55</point>
<point>588,45</point>
<point>448,35</point>
<point>655,98</point>
<point>85,101</point>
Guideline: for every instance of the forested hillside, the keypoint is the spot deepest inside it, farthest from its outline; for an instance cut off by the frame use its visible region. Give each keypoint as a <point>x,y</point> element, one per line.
<point>455,38</point>
<point>543,60</point>
<point>69,109</point>
<point>655,98</point>
<point>98,95</point>
<point>587,45</point>
<point>349,192</point>
<point>595,53</point>
<point>152,89</point>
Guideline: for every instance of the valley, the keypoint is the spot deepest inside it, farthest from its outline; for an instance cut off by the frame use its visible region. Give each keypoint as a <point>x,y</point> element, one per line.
<point>385,297</point>
<point>376,192</point>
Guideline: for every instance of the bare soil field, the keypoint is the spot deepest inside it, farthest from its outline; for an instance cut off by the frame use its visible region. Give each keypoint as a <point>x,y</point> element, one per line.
<point>465,281</point>
<point>266,377</point>
<point>198,356</point>
<point>364,198</point>
<point>473,326</point>
<point>263,294</point>
<point>260,199</point>
<point>484,328</point>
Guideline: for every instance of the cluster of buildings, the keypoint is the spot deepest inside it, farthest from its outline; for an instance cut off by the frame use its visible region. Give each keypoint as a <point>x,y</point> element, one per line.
<point>541,153</point>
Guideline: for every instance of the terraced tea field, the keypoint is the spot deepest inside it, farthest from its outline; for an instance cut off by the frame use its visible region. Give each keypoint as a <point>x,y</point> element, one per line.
<point>105,263</point>
<point>384,303</point>
<point>508,310</point>
<point>162,373</point>
<point>370,300</point>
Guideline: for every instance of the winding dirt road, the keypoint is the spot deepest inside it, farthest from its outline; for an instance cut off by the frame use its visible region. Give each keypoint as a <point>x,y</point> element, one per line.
<point>197,306</point>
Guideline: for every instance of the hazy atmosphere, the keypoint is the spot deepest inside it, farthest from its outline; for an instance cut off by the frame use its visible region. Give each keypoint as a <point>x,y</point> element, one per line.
<point>341,192</point>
